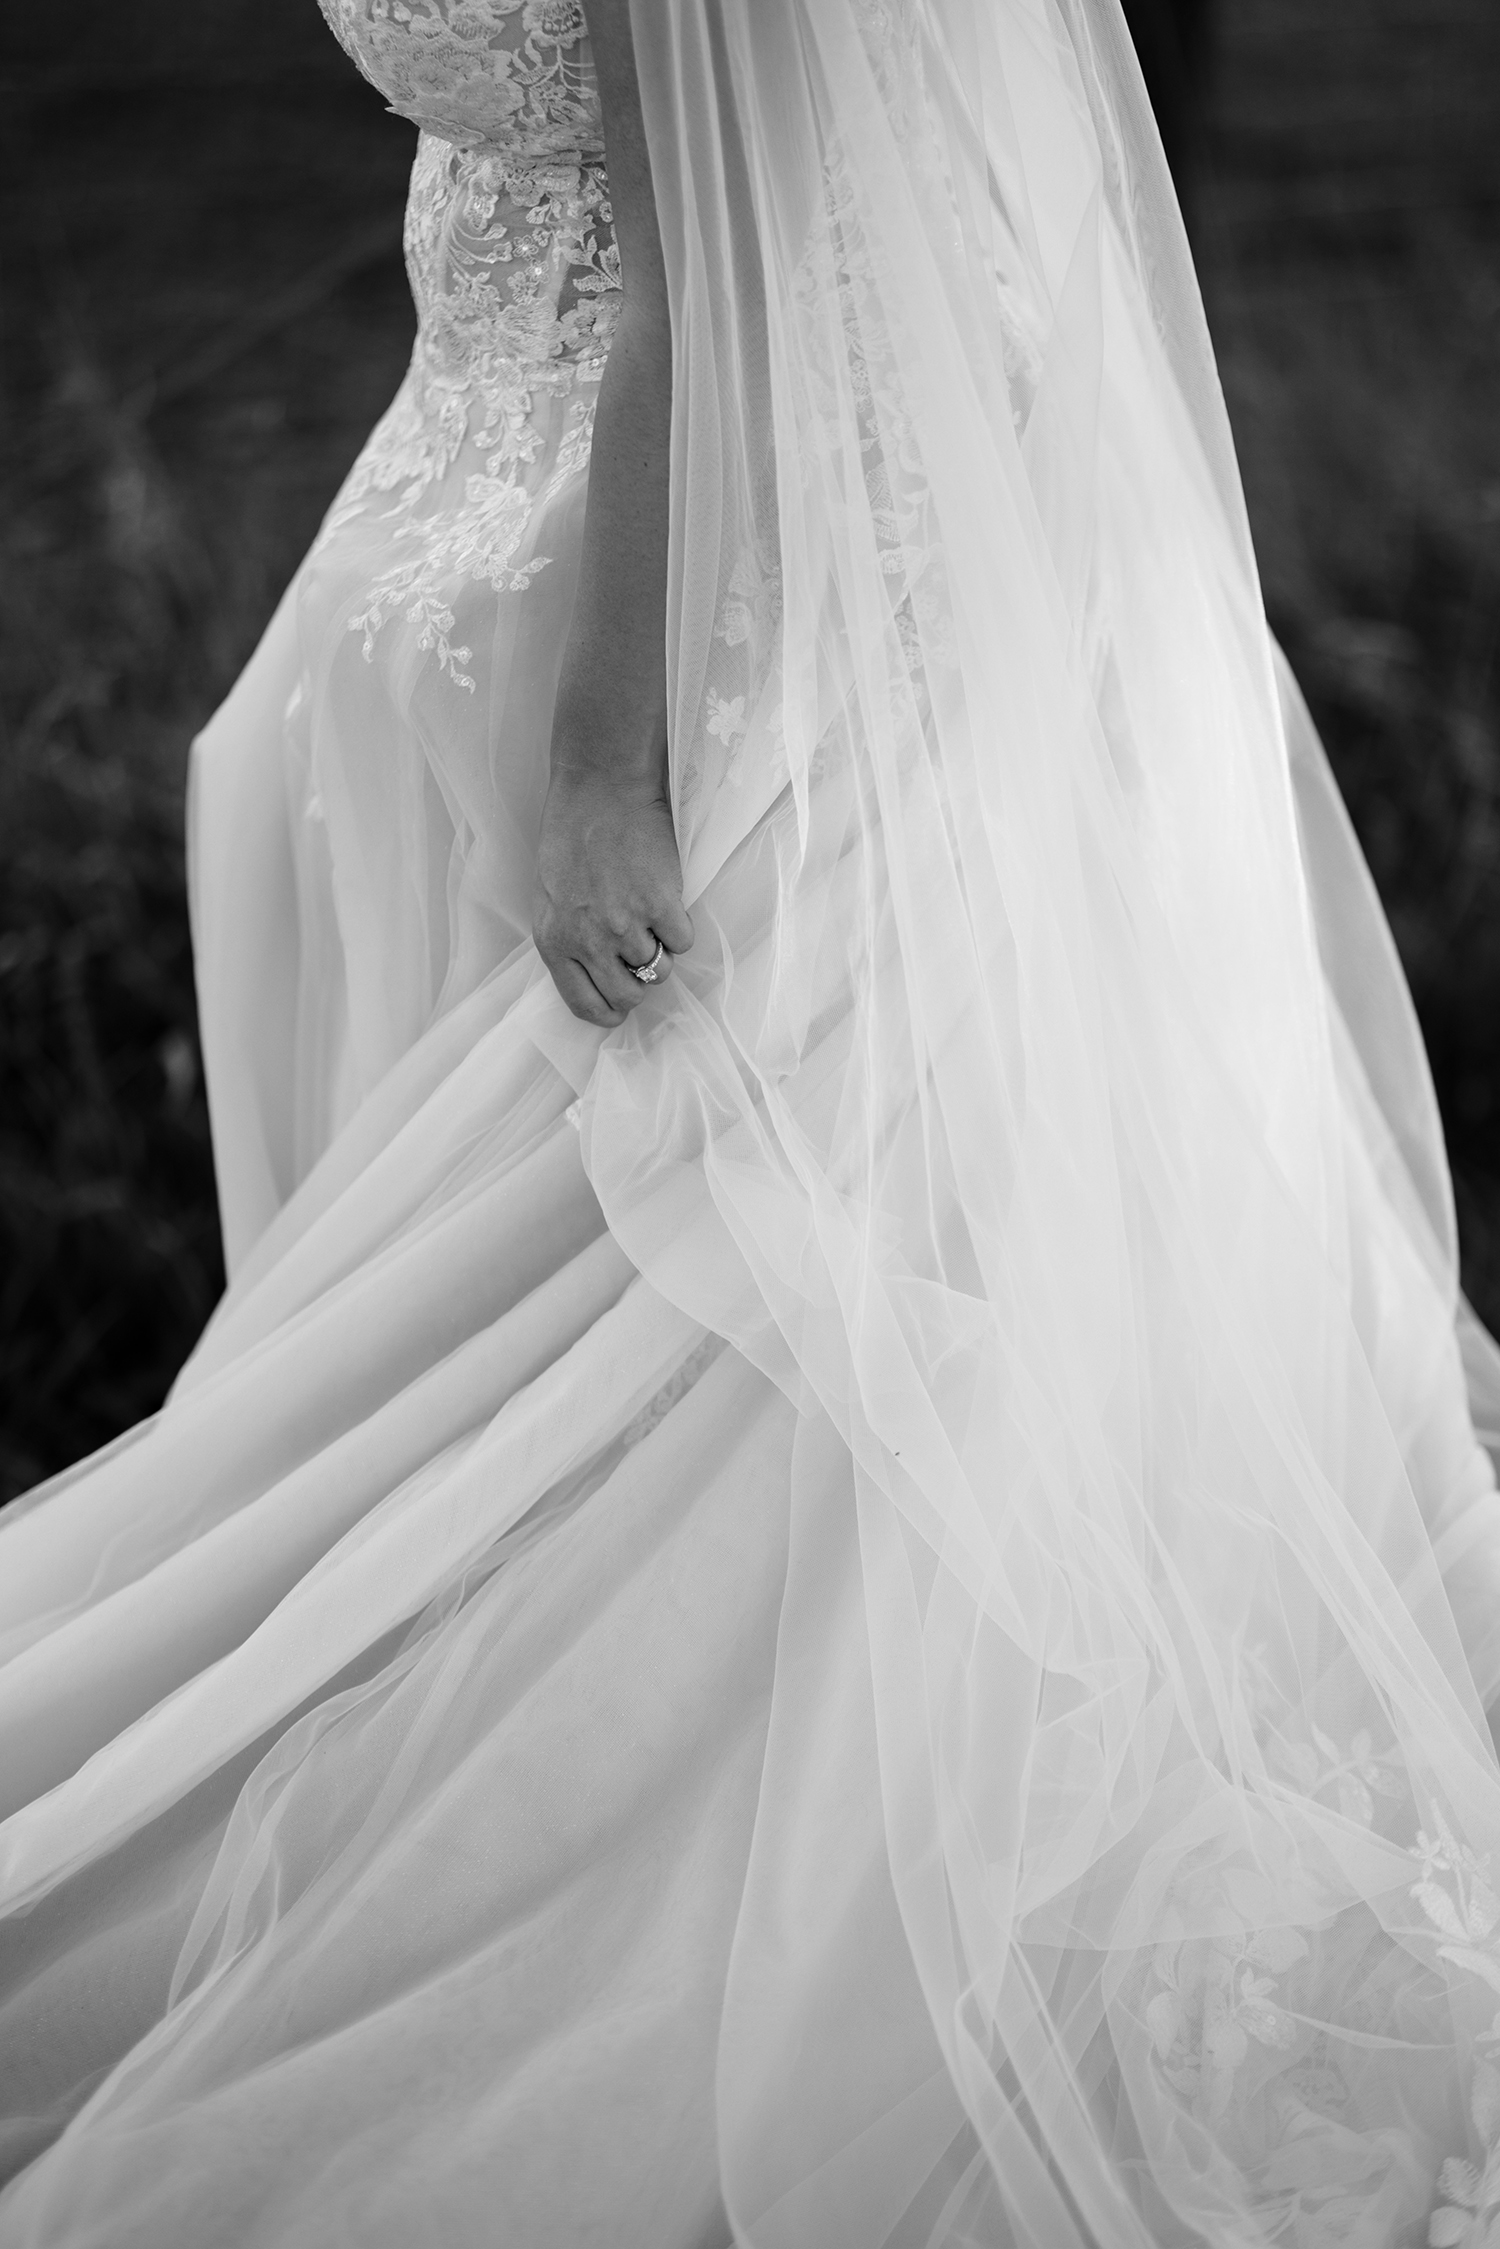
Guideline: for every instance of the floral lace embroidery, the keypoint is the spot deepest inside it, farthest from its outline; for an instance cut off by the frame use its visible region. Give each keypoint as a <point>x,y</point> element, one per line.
<point>749,619</point>
<point>1457,1894</point>
<point>1211,2004</point>
<point>1468,1913</point>
<point>1468,2216</point>
<point>515,276</point>
<point>844,267</point>
<point>478,73</point>
<point>1350,1777</point>
<point>1215,1998</point>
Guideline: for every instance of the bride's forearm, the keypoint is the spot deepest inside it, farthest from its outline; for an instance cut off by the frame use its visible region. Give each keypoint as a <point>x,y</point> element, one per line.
<point>608,898</point>
<point>612,694</point>
<point>612,698</point>
<point>609,880</point>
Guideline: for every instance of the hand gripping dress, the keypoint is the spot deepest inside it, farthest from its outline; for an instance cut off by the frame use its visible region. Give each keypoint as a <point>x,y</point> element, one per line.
<point>857,1615</point>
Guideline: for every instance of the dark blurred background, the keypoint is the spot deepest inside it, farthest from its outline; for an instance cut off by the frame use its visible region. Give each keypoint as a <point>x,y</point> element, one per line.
<point>203,313</point>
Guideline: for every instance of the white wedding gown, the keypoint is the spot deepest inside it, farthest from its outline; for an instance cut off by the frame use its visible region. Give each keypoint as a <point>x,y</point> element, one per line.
<point>858,1613</point>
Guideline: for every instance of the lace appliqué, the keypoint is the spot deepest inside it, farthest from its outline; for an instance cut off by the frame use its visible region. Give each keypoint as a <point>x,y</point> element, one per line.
<point>749,620</point>
<point>479,73</point>
<point>516,276</point>
<point>1468,2217</point>
<point>1456,1891</point>
<point>1232,2020</point>
<point>1232,2036</point>
<point>1216,1998</point>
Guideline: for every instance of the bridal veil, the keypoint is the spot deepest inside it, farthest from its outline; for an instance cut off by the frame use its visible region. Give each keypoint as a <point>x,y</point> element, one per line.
<point>1042,1102</point>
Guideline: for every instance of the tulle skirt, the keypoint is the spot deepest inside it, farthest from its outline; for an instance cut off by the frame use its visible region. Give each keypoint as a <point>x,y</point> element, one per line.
<point>385,1722</point>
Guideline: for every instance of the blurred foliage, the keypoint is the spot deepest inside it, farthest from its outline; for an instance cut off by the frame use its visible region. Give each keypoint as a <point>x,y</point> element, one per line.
<point>1350,247</point>
<point>206,312</point>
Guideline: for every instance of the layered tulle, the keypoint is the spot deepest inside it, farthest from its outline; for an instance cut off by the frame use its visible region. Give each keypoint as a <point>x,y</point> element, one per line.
<point>858,1613</point>
<point>1041,1102</point>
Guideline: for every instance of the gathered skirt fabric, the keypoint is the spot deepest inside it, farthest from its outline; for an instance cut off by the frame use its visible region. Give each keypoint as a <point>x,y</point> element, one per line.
<point>387,1722</point>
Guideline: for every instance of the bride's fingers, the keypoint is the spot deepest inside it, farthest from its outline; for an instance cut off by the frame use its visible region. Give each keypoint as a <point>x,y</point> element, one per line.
<point>673,924</point>
<point>583,996</point>
<point>642,952</point>
<point>611,972</point>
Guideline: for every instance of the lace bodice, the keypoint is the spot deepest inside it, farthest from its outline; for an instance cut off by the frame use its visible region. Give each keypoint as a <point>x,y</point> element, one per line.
<point>508,75</point>
<point>515,276</point>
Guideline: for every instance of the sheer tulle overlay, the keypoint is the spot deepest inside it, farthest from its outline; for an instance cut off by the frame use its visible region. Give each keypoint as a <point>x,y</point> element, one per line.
<point>861,1612</point>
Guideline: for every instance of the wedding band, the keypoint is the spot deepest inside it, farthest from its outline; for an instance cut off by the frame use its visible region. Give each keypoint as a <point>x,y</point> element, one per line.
<point>648,973</point>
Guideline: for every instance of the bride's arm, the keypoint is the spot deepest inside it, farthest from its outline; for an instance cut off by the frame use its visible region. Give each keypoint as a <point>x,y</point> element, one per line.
<point>609,881</point>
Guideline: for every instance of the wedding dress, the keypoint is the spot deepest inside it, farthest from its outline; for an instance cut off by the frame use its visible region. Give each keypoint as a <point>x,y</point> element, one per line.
<point>860,1612</point>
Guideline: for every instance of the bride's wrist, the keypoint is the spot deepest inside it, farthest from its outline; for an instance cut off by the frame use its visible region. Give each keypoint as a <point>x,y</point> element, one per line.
<point>590,759</point>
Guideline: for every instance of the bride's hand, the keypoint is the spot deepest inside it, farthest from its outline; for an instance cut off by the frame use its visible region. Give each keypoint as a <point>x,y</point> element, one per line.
<point>609,880</point>
<point>608,886</point>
